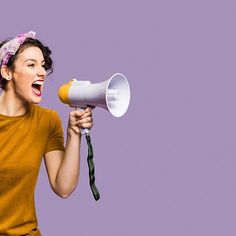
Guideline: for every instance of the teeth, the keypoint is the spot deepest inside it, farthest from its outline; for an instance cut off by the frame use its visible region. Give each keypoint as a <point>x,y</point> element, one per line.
<point>38,82</point>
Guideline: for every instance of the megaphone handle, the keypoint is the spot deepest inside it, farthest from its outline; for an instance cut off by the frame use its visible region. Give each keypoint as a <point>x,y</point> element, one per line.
<point>91,169</point>
<point>84,131</point>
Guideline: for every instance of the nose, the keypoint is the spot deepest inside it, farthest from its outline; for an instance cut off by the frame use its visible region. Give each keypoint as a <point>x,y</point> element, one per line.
<point>42,72</point>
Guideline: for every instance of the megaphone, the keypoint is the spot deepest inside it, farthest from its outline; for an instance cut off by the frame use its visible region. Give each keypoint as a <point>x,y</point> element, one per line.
<point>112,94</point>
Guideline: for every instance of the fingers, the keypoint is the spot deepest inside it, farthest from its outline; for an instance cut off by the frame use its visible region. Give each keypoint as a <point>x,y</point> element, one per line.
<point>86,125</point>
<point>87,113</point>
<point>82,113</point>
<point>81,119</point>
<point>86,122</point>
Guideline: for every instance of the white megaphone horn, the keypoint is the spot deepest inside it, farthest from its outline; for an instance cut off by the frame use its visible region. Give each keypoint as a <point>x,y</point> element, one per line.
<point>112,94</point>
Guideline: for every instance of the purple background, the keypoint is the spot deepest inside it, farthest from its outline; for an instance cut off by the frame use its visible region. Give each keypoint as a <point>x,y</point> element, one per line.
<point>168,166</point>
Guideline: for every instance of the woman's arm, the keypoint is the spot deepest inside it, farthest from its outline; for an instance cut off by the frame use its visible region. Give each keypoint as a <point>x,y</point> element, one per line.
<point>63,168</point>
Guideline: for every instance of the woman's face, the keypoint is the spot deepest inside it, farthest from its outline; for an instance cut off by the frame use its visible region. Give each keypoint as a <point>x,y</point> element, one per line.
<point>29,75</point>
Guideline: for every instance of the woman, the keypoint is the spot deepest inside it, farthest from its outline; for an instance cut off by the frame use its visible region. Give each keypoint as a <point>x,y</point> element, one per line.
<point>29,132</point>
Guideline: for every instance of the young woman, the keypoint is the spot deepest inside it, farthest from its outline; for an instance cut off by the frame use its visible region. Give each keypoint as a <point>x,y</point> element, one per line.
<point>29,132</point>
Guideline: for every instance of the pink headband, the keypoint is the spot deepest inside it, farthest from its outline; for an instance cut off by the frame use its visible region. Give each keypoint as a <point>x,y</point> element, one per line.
<point>8,49</point>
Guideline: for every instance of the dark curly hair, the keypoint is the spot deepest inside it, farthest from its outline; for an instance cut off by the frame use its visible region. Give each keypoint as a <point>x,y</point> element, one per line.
<point>29,42</point>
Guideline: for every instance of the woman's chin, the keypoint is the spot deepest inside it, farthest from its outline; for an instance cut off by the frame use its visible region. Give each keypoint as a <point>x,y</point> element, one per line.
<point>36,100</point>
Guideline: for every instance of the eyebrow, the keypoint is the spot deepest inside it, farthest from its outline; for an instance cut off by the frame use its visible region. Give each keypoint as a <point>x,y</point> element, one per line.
<point>31,59</point>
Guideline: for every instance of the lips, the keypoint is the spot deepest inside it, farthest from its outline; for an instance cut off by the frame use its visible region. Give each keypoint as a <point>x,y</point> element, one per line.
<point>37,87</point>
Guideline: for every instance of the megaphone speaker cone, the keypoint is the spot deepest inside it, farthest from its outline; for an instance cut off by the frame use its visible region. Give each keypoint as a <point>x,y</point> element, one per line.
<point>117,95</point>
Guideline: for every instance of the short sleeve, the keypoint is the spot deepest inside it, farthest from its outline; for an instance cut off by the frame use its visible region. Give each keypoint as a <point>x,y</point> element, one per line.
<point>55,138</point>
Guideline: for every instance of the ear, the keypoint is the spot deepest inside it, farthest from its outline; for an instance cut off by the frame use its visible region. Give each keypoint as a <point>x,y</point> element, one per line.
<point>6,73</point>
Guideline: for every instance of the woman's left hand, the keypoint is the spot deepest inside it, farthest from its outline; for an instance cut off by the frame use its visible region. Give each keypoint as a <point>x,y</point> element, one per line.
<point>80,119</point>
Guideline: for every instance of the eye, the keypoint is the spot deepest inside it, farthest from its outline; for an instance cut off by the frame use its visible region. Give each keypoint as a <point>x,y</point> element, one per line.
<point>45,67</point>
<point>31,65</point>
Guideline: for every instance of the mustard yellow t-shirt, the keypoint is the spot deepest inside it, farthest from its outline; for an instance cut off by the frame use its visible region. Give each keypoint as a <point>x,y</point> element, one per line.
<point>23,142</point>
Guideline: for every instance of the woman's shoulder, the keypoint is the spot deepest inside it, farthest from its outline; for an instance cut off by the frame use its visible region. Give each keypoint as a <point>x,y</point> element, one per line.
<point>44,119</point>
<point>40,109</point>
<point>43,111</point>
<point>45,115</point>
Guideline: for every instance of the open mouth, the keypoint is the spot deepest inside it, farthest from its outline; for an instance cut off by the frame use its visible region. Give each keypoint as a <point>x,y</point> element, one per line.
<point>37,87</point>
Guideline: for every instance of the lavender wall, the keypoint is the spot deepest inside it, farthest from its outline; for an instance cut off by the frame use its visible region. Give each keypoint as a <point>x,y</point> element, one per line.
<point>167,167</point>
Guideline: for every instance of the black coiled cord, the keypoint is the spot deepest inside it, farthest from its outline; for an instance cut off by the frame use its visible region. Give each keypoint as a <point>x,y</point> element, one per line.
<point>91,168</point>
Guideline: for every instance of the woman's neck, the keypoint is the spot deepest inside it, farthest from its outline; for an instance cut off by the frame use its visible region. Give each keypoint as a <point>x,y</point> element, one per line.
<point>10,105</point>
